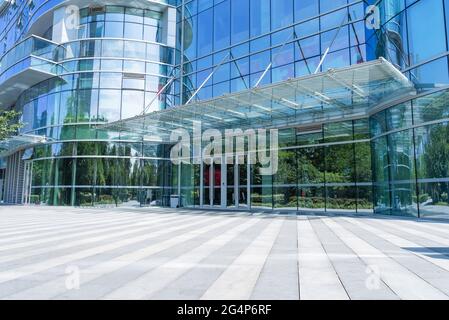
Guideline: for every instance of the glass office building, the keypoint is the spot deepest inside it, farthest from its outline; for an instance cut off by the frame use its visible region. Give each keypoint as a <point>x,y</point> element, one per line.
<point>356,89</point>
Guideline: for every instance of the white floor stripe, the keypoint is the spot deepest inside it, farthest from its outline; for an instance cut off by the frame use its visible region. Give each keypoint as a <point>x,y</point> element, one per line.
<point>239,279</point>
<point>160,277</point>
<point>54,262</point>
<point>47,231</point>
<point>81,239</point>
<point>421,224</point>
<point>68,233</point>
<point>317,277</point>
<point>20,223</point>
<point>426,235</point>
<point>63,218</point>
<point>402,243</point>
<point>19,226</point>
<point>57,286</point>
<point>65,234</point>
<point>404,283</point>
<point>79,225</point>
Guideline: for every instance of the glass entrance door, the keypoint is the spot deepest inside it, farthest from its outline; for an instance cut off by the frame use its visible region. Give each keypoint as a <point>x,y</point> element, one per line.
<point>226,184</point>
<point>243,186</point>
<point>214,186</point>
<point>230,183</point>
<point>207,193</point>
<point>237,183</point>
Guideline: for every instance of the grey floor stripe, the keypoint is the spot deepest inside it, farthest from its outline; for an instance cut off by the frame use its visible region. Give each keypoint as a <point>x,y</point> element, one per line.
<point>353,272</point>
<point>279,277</point>
<point>425,270</point>
<point>194,283</point>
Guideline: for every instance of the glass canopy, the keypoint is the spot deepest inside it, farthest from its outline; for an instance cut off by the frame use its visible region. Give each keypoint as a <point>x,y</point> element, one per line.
<point>12,144</point>
<point>336,94</point>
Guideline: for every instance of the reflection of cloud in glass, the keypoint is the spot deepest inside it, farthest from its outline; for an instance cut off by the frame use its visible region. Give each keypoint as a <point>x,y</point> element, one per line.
<point>109,105</point>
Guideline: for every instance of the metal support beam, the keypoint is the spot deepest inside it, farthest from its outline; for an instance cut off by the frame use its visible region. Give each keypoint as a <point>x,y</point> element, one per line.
<point>208,77</point>
<point>238,69</point>
<point>302,51</point>
<point>271,62</point>
<point>169,82</point>
<point>330,46</point>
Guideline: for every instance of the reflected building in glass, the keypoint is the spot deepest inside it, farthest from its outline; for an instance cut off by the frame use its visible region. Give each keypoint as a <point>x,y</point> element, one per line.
<point>101,87</point>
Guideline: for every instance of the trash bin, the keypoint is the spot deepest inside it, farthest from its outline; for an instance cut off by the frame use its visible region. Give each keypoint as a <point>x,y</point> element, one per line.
<point>174,201</point>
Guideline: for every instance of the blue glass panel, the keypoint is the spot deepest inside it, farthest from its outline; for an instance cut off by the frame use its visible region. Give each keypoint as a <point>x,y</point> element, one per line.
<point>281,13</point>
<point>282,36</point>
<point>239,20</point>
<point>221,25</point>
<point>426,36</point>
<point>204,4</point>
<point>307,28</point>
<point>305,9</point>
<point>260,44</point>
<point>260,61</point>
<point>221,74</point>
<point>335,39</point>
<point>260,17</point>
<point>336,60</point>
<point>133,31</point>
<point>240,50</point>
<point>190,38</point>
<point>115,13</point>
<point>283,55</point>
<point>431,75</point>
<point>334,19</point>
<point>326,5</point>
<point>239,84</point>
<point>192,7</point>
<point>221,89</point>
<point>308,47</point>
<point>205,24</point>
<point>240,67</point>
<point>283,73</point>
<point>114,29</point>
<point>306,67</point>
<point>134,15</point>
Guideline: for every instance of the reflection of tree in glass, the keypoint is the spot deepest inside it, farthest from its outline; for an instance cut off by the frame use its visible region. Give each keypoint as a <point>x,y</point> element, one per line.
<point>436,163</point>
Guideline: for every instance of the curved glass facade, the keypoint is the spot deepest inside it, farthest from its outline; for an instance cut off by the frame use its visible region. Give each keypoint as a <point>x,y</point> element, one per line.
<point>410,139</point>
<point>112,70</point>
<point>410,157</point>
<point>17,18</point>
<point>416,44</point>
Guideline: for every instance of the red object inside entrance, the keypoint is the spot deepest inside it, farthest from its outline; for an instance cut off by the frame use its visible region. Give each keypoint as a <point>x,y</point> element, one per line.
<point>217,176</point>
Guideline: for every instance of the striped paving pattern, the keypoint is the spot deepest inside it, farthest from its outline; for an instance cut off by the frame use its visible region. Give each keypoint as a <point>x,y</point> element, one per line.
<point>142,253</point>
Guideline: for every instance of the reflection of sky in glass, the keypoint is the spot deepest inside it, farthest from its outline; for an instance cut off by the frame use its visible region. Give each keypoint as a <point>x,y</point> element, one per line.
<point>426,35</point>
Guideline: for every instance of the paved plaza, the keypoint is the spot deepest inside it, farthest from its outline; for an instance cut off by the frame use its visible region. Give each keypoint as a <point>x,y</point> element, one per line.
<point>154,253</point>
